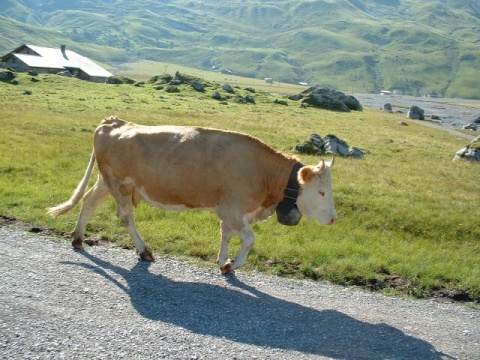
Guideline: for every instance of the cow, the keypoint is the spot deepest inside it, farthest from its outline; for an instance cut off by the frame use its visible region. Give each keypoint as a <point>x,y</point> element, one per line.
<point>234,175</point>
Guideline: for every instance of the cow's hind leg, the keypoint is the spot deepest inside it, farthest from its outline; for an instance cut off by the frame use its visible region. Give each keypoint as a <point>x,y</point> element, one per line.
<point>92,199</point>
<point>226,233</point>
<point>125,214</point>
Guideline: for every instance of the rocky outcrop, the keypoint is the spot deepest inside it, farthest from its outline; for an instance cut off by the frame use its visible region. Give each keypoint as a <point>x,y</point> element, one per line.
<point>328,99</point>
<point>316,145</point>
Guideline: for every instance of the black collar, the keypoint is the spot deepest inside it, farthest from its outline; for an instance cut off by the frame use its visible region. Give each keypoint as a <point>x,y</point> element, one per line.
<point>291,191</point>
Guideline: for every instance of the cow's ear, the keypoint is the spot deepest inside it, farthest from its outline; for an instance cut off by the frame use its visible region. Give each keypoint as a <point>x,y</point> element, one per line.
<point>306,174</point>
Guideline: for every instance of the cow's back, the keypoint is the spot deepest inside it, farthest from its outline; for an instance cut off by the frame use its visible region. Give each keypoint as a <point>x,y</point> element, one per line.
<point>192,166</point>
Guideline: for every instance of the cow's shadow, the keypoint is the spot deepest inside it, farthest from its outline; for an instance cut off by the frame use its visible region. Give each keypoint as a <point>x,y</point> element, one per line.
<point>252,317</point>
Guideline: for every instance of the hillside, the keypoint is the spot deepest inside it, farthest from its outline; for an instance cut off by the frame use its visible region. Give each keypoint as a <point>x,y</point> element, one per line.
<point>352,45</point>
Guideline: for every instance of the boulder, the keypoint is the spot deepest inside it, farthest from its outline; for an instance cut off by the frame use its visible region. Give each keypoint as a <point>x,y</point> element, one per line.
<point>324,102</point>
<point>356,153</point>
<point>280,102</point>
<point>336,145</point>
<point>471,152</point>
<point>470,126</point>
<point>416,113</point>
<point>216,96</point>
<point>160,79</point>
<point>6,75</point>
<point>172,89</point>
<point>329,99</point>
<point>65,73</point>
<point>316,145</point>
<point>476,120</point>
<point>228,88</point>
<point>295,97</point>
<point>249,99</point>
<point>198,86</point>
<point>388,108</point>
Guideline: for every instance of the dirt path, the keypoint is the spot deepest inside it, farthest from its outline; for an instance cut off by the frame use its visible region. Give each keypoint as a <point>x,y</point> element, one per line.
<point>103,303</point>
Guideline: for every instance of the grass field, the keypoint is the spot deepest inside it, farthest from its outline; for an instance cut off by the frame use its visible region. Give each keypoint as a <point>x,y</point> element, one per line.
<point>407,215</point>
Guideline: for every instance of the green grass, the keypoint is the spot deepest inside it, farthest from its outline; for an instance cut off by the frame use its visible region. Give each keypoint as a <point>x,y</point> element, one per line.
<point>406,209</point>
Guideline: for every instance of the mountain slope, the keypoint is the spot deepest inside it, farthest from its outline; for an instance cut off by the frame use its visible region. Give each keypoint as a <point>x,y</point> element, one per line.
<point>353,45</point>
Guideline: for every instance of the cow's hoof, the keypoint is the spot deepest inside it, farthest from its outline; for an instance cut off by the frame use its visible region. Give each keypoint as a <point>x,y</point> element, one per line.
<point>147,255</point>
<point>227,267</point>
<point>77,243</point>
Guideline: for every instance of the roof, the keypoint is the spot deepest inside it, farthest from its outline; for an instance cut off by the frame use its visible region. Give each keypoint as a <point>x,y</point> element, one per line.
<point>54,58</point>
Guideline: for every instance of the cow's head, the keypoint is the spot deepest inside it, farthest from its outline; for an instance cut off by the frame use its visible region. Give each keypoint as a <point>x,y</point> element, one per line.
<point>315,198</point>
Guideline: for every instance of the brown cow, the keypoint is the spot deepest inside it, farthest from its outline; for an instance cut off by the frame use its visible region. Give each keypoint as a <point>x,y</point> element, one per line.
<point>234,175</point>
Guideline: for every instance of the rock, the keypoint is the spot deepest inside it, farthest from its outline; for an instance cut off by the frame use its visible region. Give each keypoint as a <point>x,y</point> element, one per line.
<point>249,99</point>
<point>295,97</point>
<point>335,145</point>
<point>477,120</point>
<point>216,96</point>
<point>435,117</point>
<point>471,152</point>
<point>403,123</point>
<point>172,89</point>
<point>228,88</point>
<point>416,113</point>
<point>316,140</point>
<point>316,145</point>
<point>65,73</point>
<point>470,126</point>
<point>120,80</point>
<point>160,79</point>
<point>352,103</point>
<point>356,153</point>
<point>329,99</point>
<point>7,75</point>
<point>388,108</point>
<point>251,90</point>
<point>32,72</point>
<point>198,86</point>
<point>280,102</point>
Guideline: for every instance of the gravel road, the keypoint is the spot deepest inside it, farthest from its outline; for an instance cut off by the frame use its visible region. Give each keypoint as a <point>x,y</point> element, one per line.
<point>449,113</point>
<point>103,303</point>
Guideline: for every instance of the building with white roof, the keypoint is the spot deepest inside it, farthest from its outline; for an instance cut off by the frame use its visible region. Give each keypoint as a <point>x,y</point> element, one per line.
<point>52,61</point>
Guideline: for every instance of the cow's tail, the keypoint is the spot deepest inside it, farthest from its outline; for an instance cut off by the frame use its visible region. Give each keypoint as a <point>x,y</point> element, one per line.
<point>77,194</point>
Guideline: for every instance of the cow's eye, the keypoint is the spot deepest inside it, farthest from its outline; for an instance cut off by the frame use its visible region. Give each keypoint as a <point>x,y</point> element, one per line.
<point>322,193</point>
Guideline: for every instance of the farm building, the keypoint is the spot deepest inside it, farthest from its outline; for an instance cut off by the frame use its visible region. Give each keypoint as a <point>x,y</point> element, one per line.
<point>52,61</point>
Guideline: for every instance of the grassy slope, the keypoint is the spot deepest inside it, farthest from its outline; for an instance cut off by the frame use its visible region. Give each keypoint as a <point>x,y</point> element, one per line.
<point>405,209</point>
<point>357,45</point>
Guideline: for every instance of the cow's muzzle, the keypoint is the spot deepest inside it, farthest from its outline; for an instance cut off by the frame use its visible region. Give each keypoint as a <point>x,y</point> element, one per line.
<point>288,214</point>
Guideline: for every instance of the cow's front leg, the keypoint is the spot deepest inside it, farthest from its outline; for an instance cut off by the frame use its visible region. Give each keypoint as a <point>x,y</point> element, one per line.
<point>125,214</point>
<point>247,240</point>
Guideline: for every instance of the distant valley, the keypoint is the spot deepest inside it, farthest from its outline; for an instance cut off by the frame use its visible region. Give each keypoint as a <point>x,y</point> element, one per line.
<point>364,46</point>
